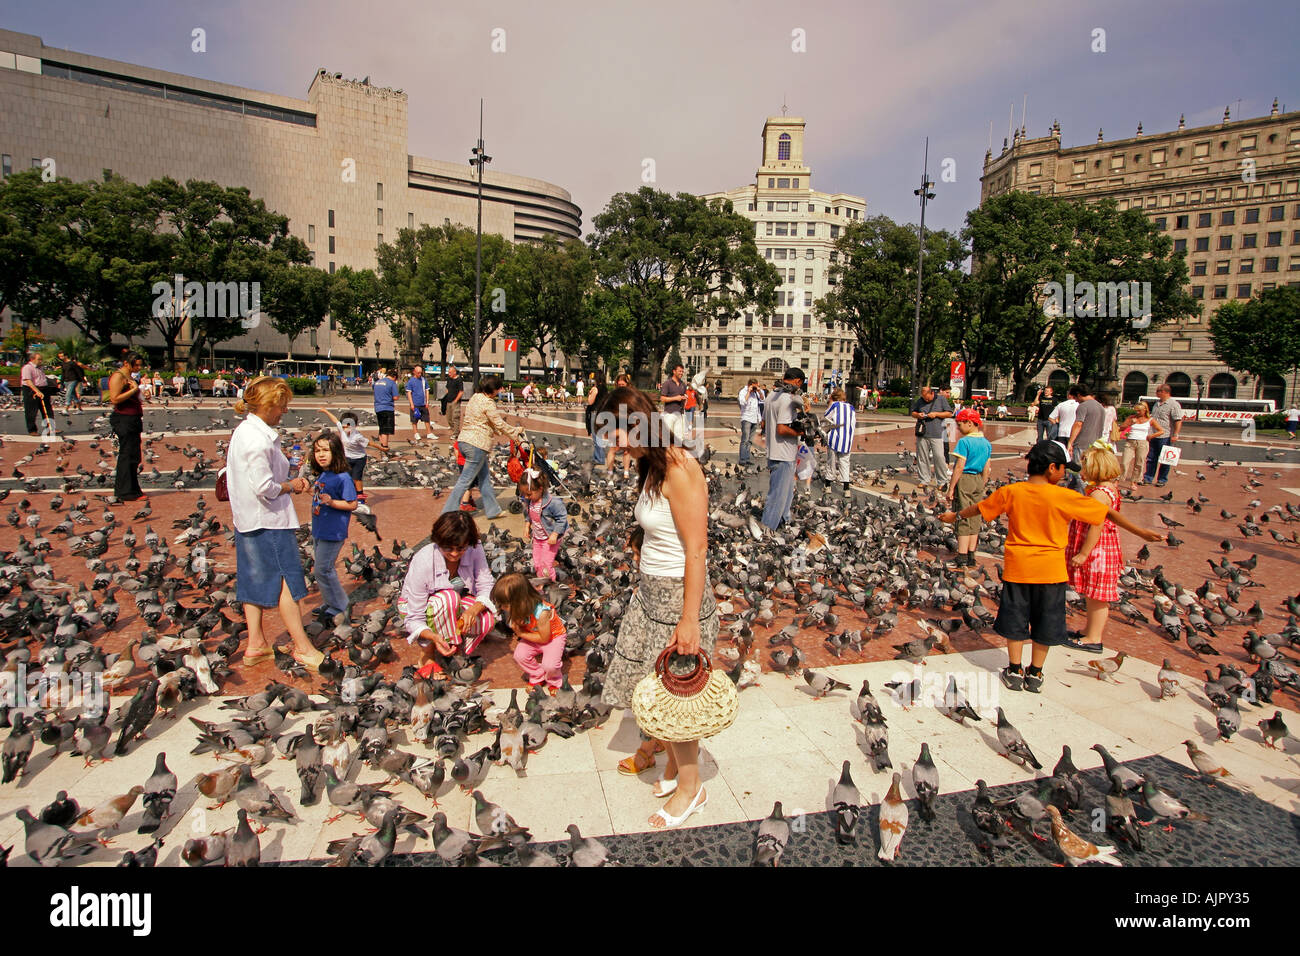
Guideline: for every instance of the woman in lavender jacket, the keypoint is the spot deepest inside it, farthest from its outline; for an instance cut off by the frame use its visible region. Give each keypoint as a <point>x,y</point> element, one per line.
<point>446,601</point>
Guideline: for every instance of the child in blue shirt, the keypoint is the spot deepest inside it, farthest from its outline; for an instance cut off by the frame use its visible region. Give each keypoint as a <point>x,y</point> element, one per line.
<point>970,472</point>
<point>334,498</point>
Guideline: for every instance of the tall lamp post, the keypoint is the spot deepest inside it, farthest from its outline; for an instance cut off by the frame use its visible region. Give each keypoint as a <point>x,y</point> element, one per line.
<point>925,194</point>
<point>1200,391</point>
<point>257,357</point>
<point>479,160</point>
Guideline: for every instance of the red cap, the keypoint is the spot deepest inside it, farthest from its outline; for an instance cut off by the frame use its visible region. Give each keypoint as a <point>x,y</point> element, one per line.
<point>969,415</point>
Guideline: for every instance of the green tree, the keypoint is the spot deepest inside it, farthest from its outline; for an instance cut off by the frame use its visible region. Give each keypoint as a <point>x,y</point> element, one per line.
<point>36,279</point>
<point>296,299</point>
<point>1260,336</point>
<point>673,261</point>
<point>219,234</point>
<point>357,304</point>
<point>546,287</point>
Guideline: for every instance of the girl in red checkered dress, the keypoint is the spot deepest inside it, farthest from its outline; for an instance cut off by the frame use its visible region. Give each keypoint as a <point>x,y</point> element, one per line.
<point>1093,555</point>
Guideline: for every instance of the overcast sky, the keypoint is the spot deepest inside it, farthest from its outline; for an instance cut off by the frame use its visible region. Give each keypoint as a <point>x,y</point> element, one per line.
<point>585,90</point>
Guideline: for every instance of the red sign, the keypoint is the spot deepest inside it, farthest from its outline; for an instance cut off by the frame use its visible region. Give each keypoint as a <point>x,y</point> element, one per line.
<point>958,373</point>
<point>512,345</point>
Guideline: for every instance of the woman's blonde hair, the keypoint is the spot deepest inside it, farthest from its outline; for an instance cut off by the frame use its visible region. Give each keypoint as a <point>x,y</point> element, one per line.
<point>1099,464</point>
<point>837,395</point>
<point>262,393</point>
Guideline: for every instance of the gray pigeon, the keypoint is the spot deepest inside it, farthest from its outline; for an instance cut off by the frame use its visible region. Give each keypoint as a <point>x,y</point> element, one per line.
<point>773,835</point>
<point>50,845</point>
<point>1016,748</point>
<point>925,777</point>
<point>242,847</point>
<point>159,792</point>
<point>585,851</point>
<point>846,801</point>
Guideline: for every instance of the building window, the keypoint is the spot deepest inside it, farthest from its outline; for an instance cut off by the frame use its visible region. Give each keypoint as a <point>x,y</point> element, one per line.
<point>1180,345</point>
<point>331,245</point>
<point>783,146</point>
<point>722,361</point>
<point>1295,264</point>
<point>751,207</point>
<point>1247,142</point>
<point>749,343</point>
<point>749,324</point>
<point>379,239</point>
<point>1248,240</point>
<point>6,164</point>
<point>1203,221</point>
<point>379,192</point>
<point>1180,245</point>
<point>722,343</point>
<point>311,233</point>
<point>1252,215</point>
<point>1157,156</point>
<point>1275,213</point>
<point>807,323</point>
<point>780,228</point>
<point>771,182</point>
<point>807,300</point>
<point>812,228</point>
<point>1273,238</point>
<point>747,363</point>
<point>331,219</point>
<point>410,220</point>
<point>1201,150</point>
<point>1220,291</point>
<point>795,182</point>
<point>1198,292</point>
<point>1243,290</point>
<point>379,216</point>
<point>783,183</point>
<point>1246,266</point>
<point>1295,237</point>
<point>1228,217</point>
<point>783,207</point>
<point>1198,268</point>
<point>835,232</point>
<point>780,254</point>
<point>1117,162</point>
<point>331,268</point>
<point>1035,169</point>
<point>808,275</point>
<point>1225,242</point>
<point>771,206</point>
<point>1161,223</point>
<point>1203,244</point>
<point>1270,263</point>
<point>1223,267</point>
<point>807,345</point>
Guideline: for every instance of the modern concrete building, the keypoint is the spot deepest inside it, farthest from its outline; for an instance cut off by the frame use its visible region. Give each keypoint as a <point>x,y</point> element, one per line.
<point>795,227</point>
<point>336,163</point>
<point>1228,194</point>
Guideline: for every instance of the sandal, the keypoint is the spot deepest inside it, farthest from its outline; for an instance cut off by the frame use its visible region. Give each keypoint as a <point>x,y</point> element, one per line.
<point>671,821</point>
<point>312,662</point>
<point>252,660</point>
<point>639,762</point>
<point>665,787</point>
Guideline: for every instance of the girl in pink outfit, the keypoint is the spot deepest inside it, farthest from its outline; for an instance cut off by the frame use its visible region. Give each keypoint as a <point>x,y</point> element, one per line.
<point>548,519</point>
<point>537,625</point>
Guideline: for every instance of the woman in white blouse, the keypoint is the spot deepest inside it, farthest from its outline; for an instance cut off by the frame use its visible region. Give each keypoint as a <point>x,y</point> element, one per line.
<point>1137,430</point>
<point>269,566</point>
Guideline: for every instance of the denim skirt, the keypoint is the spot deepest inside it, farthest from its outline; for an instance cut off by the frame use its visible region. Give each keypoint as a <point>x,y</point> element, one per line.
<point>264,558</point>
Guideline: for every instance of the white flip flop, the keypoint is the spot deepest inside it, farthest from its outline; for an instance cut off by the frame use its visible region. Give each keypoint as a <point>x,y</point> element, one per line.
<point>671,821</point>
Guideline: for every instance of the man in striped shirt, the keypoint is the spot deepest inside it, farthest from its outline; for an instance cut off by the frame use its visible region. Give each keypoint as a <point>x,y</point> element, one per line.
<point>841,421</point>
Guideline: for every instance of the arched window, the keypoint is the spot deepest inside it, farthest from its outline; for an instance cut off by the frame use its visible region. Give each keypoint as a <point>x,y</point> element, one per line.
<point>1135,386</point>
<point>1180,386</point>
<point>774,365</point>
<point>1274,387</point>
<point>1223,385</point>
<point>1060,382</point>
<point>783,146</point>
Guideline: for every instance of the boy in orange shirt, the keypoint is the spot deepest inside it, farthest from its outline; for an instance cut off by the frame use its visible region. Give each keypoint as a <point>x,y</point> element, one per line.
<point>1034,577</point>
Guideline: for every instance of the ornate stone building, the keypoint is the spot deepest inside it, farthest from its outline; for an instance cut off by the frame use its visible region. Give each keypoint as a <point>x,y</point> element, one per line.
<point>795,227</point>
<point>1228,194</point>
<point>336,163</point>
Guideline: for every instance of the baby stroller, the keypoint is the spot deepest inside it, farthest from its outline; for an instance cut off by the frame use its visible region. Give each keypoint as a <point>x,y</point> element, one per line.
<point>525,454</point>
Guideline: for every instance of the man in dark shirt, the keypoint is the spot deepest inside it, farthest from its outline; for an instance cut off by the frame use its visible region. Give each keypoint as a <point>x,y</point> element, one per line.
<point>929,410</point>
<point>1046,403</point>
<point>450,402</point>
<point>74,373</point>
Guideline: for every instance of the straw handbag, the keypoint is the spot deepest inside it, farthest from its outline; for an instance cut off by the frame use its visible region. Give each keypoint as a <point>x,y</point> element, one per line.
<point>678,709</point>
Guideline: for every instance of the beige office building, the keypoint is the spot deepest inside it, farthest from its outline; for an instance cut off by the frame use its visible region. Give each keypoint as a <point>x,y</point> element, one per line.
<point>1228,194</point>
<point>336,163</point>
<point>795,227</point>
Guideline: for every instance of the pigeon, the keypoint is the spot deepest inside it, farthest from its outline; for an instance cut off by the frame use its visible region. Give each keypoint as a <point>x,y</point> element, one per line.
<point>139,713</point>
<point>1205,765</point>
<point>493,820</point>
<point>367,850</point>
<point>989,819</point>
<point>448,842</point>
<point>846,802</point>
<point>1273,729</point>
<point>257,798</point>
<point>1075,848</point>
<point>865,708</point>
<point>49,845</point>
<point>1121,818</point>
<point>1105,668</point>
<point>1228,719</point>
<point>1166,806</point>
<point>955,706</point>
<point>1066,781</point>
<point>1128,777</point>
<point>159,792</point>
<point>893,821</point>
<point>218,785</point>
<point>62,811</point>
<point>773,835</point>
<point>585,851</point>
<point>820,684</point>
<point>242,847</point>
<point>876,746</point>
<point>1014,744</point>
<point>307,756</point>
<point>108,815</point>
<point>925,777</point>
<point>1168,678</point>
<point>17,748</point>
<point>148,857</point>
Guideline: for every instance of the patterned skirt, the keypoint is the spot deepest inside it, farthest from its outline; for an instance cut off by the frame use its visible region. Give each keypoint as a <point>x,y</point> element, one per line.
<point>647,628</point>
<point>1099,577</point>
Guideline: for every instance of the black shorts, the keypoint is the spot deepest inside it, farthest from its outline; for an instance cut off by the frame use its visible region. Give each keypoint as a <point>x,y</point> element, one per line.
<point>356,468</point>
<point>386,423</point>
<point>1032,612</point>
<point>423,411</point>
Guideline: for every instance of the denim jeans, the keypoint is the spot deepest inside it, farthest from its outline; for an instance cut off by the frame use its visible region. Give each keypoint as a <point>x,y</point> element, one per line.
<point>1044,427</point>
<point>1157,445</point>
<point>598,450</point>
<point>333,598</point>
<point>746,436</point>
<point>780,493</point>
<point>475,472</point>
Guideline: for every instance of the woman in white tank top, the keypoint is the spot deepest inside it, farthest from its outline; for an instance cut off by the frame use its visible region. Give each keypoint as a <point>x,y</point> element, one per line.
<point>673,604</point>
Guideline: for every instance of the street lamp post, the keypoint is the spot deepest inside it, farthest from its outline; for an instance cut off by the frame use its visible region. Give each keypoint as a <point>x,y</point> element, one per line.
<point>1200,391</point>
<point>479,159</point>
<point>925,194</point>
<point>257,357</point>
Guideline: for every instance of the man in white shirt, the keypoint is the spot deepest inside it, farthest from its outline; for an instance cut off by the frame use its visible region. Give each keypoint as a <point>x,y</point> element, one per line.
<point>1063,418</point>
<point>1002,411</point>
<point>1292,421</point>
<point>751,415</point>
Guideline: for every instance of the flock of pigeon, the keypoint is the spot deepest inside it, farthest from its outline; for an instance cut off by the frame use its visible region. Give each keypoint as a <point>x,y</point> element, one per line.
<point>843,575</point>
